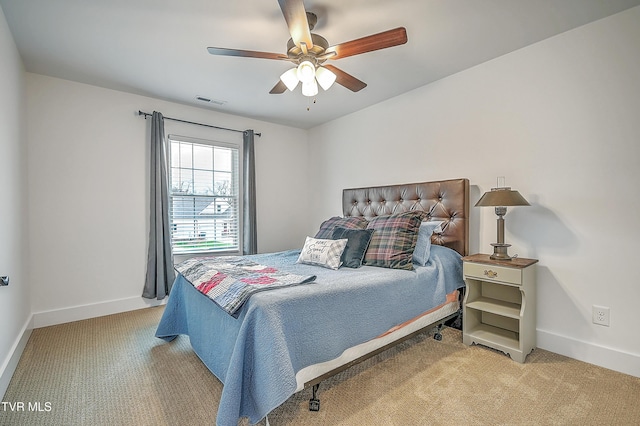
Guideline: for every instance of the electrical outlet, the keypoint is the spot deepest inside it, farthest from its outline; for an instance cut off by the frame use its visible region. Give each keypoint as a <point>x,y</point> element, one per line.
<point>601,315</point>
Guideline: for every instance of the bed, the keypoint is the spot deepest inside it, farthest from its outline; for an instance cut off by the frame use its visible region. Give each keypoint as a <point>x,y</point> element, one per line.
<point>282,341</point>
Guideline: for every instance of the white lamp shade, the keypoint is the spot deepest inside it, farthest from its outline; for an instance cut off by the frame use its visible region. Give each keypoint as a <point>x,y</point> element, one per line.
<point>310,89</point>
<point>325,78</point>
<point>290,79</point>
<point>306,72</point>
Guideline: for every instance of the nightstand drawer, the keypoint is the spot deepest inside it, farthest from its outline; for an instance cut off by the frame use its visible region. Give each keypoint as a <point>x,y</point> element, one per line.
<point>493,273</point>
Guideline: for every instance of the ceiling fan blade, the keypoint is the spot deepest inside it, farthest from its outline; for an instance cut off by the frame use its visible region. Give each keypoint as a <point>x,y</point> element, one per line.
<point>296,17</point>
<point>246,53</point>
<point>346,80</point>
<point>279,88</point>
<point>370,43</point>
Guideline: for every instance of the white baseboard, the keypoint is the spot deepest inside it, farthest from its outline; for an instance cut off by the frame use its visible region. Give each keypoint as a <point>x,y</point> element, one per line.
<point>602,356</point>
<point>9,366</point>
<point>93,310</point>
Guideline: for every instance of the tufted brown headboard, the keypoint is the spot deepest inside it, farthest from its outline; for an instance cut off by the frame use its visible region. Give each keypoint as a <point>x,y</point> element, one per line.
<point>446,200</point>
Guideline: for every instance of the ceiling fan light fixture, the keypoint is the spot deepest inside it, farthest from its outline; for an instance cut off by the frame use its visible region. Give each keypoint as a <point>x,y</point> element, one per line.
<point>325,78</point>
<point>290,79</point>
<point>306,72</point>
<point>309,50</point>
<point>310,89</point>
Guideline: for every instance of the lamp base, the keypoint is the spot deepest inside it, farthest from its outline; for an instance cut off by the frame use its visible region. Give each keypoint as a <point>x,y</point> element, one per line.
<point>500,252</point>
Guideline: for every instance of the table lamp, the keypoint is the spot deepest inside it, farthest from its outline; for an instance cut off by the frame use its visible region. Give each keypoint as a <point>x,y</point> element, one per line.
<point>501,197</point>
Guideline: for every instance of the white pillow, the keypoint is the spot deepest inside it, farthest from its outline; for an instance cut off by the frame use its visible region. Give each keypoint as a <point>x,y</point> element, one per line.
<point>325,253</point>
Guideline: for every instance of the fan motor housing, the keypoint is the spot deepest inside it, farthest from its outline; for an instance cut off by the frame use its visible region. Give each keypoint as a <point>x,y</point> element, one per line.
<point>320,44</point>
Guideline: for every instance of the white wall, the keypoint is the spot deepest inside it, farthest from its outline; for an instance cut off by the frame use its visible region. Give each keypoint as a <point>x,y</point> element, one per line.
<point>14,299</point>
<point>88,168</point>
<point>561,120</point>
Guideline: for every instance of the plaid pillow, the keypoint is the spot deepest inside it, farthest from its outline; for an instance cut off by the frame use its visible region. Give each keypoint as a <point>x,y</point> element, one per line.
<point>351,222</point>
<point>394,240</point>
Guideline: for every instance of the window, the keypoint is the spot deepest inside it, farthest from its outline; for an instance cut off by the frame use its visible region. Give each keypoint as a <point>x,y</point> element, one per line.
<point>204,196</point>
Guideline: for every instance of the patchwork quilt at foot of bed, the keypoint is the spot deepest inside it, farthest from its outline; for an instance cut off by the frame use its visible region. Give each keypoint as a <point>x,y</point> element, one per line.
<point>230,280</point>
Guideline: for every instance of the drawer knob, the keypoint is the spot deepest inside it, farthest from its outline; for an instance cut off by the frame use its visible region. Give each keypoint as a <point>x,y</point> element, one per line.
<point>491,274</point>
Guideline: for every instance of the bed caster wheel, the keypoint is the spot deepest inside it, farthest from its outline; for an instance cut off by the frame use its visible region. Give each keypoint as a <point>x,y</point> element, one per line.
<point>314,404</point>
<point>437,336</point>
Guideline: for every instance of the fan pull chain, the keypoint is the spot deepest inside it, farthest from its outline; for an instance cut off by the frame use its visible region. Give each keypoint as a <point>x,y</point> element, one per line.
<point>309,106</point>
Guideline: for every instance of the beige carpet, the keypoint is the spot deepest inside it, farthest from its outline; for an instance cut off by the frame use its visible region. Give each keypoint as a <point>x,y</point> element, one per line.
<point>113,371</point>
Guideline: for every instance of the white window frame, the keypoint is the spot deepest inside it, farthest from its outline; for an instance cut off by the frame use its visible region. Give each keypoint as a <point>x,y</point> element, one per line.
<point>180,252</point>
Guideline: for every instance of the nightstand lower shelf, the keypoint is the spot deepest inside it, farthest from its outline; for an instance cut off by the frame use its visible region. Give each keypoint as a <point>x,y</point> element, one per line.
<point>498,338</point>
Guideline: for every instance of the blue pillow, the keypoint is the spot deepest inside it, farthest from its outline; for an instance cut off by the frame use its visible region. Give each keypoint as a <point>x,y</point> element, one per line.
<point>423,246</point>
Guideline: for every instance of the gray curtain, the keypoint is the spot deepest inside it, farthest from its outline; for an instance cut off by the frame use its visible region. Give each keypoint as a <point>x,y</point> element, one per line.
<point>160,274</point>
<point>249,241</point>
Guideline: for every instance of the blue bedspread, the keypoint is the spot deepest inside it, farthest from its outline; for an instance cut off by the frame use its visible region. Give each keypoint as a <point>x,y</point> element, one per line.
<point>279,332</point>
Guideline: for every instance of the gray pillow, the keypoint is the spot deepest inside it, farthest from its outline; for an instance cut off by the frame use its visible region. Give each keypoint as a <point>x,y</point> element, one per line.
<point>357,243</point>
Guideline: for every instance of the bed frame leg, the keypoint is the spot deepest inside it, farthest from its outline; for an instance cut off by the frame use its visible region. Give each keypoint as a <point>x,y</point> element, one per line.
<point>438,335</point>
<point>314,402</point>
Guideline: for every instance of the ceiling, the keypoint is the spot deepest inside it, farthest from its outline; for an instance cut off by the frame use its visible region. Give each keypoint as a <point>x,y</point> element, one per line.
<point>158,48</point>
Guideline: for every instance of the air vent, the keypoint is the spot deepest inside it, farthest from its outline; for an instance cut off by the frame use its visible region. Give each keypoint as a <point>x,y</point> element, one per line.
<point>210,101</point>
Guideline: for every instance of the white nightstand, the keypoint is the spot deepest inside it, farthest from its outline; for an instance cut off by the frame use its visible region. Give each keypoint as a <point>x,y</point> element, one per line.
<point>499,308</point>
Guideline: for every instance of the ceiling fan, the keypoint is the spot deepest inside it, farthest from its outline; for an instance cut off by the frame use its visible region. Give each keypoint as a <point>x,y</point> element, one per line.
<point>309,51</point>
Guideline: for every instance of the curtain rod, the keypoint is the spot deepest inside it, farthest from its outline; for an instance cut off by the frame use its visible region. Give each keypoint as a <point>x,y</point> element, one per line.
<point>146,114</point>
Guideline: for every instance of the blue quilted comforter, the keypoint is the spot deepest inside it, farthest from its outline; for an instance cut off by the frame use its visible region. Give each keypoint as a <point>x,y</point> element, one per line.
<point>279,332</point>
